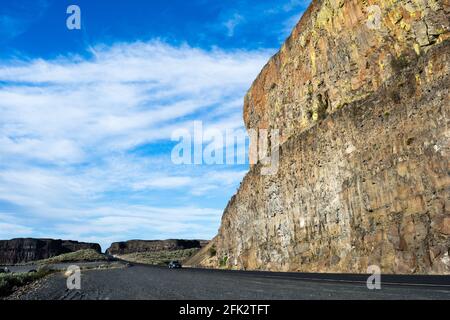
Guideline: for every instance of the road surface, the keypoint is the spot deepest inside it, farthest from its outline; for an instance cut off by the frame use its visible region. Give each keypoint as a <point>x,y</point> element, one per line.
<point>147,282</point>
<point>55,266</point>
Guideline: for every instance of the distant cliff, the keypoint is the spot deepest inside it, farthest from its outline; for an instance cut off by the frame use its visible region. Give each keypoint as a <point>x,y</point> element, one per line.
<point>134,246</point>
<point>28,249</point>
<point>360,94</point>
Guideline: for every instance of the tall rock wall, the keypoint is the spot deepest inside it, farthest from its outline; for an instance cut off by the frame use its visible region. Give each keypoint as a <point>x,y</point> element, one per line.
<point>132,246</point>
<point>28,249</point>
<point>364,175</point>
<point>341,51</point>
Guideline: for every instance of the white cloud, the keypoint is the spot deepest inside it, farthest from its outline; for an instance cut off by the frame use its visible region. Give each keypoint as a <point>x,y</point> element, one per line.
<point>68,127</point>
<point>126,95</point>
<point>110,224</point>
<point>163,183</point>
<point>10,231</point>
<point>294,4</point>
<point>232,23</point>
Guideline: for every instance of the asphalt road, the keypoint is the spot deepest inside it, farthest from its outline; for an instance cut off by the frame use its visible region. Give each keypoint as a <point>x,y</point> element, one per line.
<point>56,266</point>
<point>147,282</point>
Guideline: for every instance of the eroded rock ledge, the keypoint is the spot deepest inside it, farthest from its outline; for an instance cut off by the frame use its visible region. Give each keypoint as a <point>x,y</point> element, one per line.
<point>133,246</point>
<point>28,249</point>
<point>364,176</point>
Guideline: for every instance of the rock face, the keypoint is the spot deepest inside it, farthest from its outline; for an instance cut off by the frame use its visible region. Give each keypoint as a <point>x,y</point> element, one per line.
<point>360,94</point>
<point>132,246</point>
<point>24,250</point>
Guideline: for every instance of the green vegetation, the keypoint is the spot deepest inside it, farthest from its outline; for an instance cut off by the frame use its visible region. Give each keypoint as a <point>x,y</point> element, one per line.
<point>212,251</point>
<point>223,262</point>
<point>88,255</point>
<point>9,282</point>
<point>159,257</point>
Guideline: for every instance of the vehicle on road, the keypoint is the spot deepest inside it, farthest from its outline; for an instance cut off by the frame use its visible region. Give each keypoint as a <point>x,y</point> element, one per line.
<point>174,265</point>
<point>5,270</point>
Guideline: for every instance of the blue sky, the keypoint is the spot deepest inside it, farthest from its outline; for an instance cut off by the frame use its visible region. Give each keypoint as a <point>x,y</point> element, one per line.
<point>86,116</point>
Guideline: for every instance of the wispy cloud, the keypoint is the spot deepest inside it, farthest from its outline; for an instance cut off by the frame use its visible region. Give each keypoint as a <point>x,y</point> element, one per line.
<point>17,18</point>
<point>294,5</point>
<point>232,23</point>
<point>125,96</point>
<point>289,24</point>
<point>12,230</point>
<point>10,27</point>
<point>70,129</point>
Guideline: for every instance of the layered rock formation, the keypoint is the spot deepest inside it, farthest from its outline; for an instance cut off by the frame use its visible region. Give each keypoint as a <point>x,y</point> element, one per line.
<point>28,249</point>
<point>360,94</point>
<point>133,246</point>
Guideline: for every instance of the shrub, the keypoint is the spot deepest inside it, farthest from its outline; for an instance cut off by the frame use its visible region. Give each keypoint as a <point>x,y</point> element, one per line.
<point>223,262</point>
<point>9,282</point>
<point>82,255</point>
<point>159,257</point>
<point>212,251</point>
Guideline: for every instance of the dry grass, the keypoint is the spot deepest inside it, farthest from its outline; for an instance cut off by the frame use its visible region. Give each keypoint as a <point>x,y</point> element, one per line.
<point>88,255</point>
<point>159,257</point>
<point>10,282</point>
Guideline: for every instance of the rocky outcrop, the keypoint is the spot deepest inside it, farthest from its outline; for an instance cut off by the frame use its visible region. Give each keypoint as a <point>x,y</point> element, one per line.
<point>133,246</point>
<point>28,249</point>
<point>360,94</point>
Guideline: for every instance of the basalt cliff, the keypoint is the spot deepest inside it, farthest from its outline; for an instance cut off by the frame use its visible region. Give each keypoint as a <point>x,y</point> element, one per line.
<point>133,246</point>
<point>360,94</point>
<point>28,249</point>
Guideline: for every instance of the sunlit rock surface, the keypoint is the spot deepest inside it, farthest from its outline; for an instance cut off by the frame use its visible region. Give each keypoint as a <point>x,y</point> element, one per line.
<point>362,105</point>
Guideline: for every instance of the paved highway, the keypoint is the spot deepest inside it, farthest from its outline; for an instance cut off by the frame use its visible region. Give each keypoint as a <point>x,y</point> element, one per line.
<point>147,282</point>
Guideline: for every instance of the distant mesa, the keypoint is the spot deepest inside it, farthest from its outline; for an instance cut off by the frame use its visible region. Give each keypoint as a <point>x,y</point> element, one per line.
<point>134,246</point>
<point>23,250</point>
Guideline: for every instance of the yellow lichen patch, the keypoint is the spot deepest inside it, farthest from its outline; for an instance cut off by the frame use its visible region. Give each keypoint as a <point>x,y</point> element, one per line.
<point>315,116</point>
<point>418,80</point>
<point>417,48</point>
<point>395,16</point>
<point>337,3</point>
<point>412,11</point>
<point>410,8</point>
<point>434,5</point>
<point>405,26</point>
<point>302,41</point>
<point>283,49</point>
<point>304,121</point>
<point>313,61</point>
<point>324,16</point>
<point>429,70</point>
<point>381,64</point>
